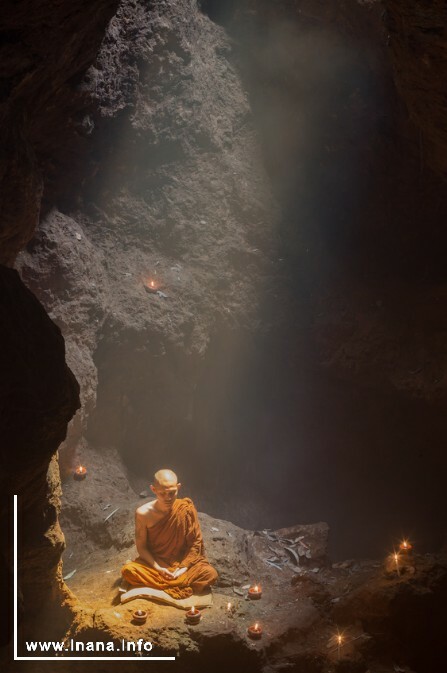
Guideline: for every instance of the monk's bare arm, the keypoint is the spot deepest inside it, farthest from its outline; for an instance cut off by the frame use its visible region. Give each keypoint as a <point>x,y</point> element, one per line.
<point>141,539</point>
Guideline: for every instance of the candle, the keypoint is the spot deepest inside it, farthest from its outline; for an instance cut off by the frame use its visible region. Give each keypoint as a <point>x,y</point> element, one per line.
<point>255,592</point>
<point>80,472</point>
<point>405,547</point>
<point>151,286</point>
<point>139,616</point>
<point>255,631</point>
<point>229,610</point>
<point>193,616</point>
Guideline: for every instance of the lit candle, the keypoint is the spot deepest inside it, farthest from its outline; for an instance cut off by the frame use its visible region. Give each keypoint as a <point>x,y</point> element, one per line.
<point>193,616</point>
<point>139,616</point>
<point>405,547</point>
<point>80,472</point>
<point>229,610</point>
<point>151,286</point>
<point>255,592</point>
<point>255,631</point>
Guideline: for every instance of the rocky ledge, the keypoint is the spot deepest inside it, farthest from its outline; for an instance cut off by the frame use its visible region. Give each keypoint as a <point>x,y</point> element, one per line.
<point>388,620</point>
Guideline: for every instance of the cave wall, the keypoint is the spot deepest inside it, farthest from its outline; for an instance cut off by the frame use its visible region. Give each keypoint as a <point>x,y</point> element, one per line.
<point>416,35</point>
<point>174,189</point>
<point>44,49</point>
<point>38,397</point>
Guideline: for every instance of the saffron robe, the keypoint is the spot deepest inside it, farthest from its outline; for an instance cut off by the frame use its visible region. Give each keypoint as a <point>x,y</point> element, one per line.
<point>175,541</point>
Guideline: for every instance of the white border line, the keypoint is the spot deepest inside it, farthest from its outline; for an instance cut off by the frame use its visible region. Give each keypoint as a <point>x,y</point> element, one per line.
<point>16,594</point>
<point>17,658</point>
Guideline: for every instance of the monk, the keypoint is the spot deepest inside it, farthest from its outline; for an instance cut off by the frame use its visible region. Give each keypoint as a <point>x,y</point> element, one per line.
<point>169,543</point>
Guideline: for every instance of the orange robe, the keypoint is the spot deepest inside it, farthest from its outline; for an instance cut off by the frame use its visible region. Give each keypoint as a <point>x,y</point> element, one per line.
<point>175,542</point>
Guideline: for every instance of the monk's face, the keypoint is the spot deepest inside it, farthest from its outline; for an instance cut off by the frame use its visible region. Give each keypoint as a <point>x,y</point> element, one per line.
<point>166,493</point>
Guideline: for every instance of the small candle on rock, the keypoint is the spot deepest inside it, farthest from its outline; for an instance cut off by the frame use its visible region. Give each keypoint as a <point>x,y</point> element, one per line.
<point>255,631</point>
<point>405,547</point>
<point>255,592</point>
<point>151,286</point>
<point>139,616</point>
<point>80,472</point>
<point>193,616</point>
<point>229,610</point>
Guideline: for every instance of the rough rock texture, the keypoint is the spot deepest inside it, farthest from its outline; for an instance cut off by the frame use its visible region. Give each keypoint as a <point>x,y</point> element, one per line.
<point>38,396</point>
<point>417,40</point>
<point>45,50</point>
<point>179,195</point>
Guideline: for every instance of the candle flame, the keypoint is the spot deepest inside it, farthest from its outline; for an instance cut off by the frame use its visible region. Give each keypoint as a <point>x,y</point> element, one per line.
<point>340,639</point>
<point>256,587</point>
<point>228,606</point>
<point>193,610</point>
<point>81,468</point>
<point>256,626</point>
<point>396,557</point>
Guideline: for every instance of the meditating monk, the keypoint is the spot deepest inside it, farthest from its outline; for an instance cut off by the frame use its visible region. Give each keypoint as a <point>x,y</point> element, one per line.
<point>169,543</point>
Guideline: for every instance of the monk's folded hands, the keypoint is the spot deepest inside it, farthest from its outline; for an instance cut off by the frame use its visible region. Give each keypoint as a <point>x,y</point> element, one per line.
<point>165,572</point>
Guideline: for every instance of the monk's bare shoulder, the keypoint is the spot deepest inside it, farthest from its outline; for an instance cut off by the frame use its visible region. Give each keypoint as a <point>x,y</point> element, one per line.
<point>145,511</point>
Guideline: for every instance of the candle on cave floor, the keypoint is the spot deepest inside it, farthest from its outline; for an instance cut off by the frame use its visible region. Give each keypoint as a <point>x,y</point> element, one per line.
<point>139,616</point>
<point>255,592</point>
<point>405,546</point>
<point>254,631</point>
<point>80,472</point>
<point>151,286</point>
<point>229,611</point>
<point>193,616</point>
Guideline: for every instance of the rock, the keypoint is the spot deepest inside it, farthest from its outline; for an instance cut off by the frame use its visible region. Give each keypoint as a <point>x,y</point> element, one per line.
<point>344,564</point>
<point>314,535</point>
<point>419,61</point>
<point>38,396</point>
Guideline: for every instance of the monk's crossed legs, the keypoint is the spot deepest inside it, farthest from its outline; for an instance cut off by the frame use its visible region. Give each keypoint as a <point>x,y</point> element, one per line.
<point>199,576</point>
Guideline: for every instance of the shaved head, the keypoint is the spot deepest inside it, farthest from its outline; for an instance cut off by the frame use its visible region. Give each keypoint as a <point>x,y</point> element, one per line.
<point>165,486</point>
<point>165,478</point>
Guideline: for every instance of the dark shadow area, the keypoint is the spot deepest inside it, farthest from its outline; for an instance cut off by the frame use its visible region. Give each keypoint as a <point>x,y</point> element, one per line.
<point>266,441</point>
